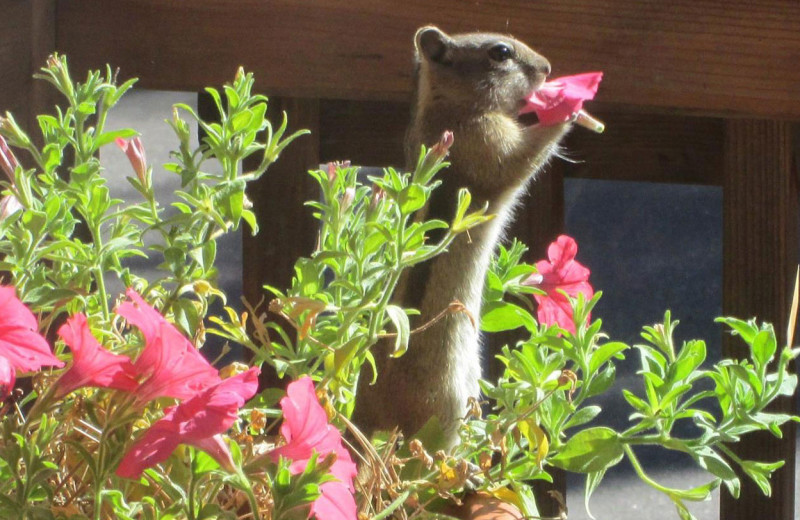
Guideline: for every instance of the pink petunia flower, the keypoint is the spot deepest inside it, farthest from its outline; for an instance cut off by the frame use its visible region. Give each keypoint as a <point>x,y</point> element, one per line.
<point>561,98</point>
<point>134,149</point>
<point>199,421</point>
<point>20,343</point>
<point>8,377</point>
<point>92,365</point>
<point>561,272</point>
<point>169,365</point>
<point>306,430</point>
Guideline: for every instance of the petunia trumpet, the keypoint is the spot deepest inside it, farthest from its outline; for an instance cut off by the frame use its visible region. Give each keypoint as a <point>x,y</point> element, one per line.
<point>199,421</point>
<point>169,365</point>
<point>307,431</point>
<point>20,343</point>
<point>561,99</point>
<point>92,365</point>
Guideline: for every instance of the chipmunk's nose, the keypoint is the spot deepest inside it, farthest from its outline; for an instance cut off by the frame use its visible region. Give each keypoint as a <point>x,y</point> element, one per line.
<point>544,67</point>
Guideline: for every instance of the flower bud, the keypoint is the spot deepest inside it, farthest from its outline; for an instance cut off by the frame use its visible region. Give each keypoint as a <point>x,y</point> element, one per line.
<point>134,149</point>
<point>347,198</point>
<point>333,168</point>
<point>440,149</point>
<point>7,160</point>
<point>429,164</point>
<point>378,196</point>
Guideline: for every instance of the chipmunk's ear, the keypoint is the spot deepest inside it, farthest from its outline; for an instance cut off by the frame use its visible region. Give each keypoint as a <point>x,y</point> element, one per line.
<point>432,44</point>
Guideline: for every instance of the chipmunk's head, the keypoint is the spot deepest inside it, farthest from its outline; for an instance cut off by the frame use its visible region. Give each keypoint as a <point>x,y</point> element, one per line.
<point>485,71</point>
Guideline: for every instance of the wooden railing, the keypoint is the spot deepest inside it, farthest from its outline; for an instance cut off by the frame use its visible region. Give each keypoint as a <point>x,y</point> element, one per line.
<point>695,91</point>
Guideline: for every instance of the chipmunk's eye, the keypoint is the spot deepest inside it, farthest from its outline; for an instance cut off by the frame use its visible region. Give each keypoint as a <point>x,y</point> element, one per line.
<point>501,52</point>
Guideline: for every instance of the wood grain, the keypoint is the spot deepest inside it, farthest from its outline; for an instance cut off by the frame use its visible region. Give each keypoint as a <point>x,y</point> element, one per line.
<point>715,56</point>
<point>760,254</point>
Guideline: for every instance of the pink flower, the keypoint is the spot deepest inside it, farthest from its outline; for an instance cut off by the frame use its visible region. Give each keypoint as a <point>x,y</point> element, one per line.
<point>20,343</point>
<point>199,421</point>
<point>8,162</point>
<point>134,149</point>
<point>306,430</point>
<point>559,99</point>
<point>8,377</point>
<point>560,273</point>
<point>169,365</point>
<point>92,365</point>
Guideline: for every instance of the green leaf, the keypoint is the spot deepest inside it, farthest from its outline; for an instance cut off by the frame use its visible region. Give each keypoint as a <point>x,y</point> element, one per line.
<point>203,463</point>
<point>402,329</point>
<point>107,137</point>
<point>583,416</point>
<point>411,198</point>
<point>592,481</point>
<point>499,316</point>
<point>589,451</point>
<point>186,316</point>
<point>713,462</point>
<point>747,330</point>
<point>604,353</point>
<point>760,473</point>
<point>764,346</point>
<point>241,120</point>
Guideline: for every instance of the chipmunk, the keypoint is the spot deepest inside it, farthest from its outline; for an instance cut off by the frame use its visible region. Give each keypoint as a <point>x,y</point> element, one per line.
<point>474,85</point>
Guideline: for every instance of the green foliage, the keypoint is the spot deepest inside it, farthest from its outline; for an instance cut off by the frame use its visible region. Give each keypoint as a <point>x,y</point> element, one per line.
<point>339,301</point>
<point>57,461</point>
<point>550,378</point>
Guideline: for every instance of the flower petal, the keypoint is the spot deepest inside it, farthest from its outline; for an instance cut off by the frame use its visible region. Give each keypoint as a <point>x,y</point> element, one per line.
<point>169,364</point>
<point>307,431</point>
<point>557,100</point>
<point>560,272</point>
<point>335,503</point>
<point>8,377</point>
<point>92,365</point>
<point>197,421</point>
<point>20,343</point>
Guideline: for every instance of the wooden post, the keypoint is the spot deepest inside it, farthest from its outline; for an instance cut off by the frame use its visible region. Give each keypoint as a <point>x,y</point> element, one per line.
<point>760,248</point>
<point>43,96</point>
<point>287,229</point>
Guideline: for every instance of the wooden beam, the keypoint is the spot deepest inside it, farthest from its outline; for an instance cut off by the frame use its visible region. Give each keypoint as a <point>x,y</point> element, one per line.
<point>760,254</point>
<point>636,146</point>
<point>715,56</point>
<point>643,147</point>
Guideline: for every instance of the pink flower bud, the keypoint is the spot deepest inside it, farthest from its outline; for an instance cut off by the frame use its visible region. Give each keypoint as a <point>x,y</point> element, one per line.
<point>440,149</point>
<point>333,167</point>
<point>347,198</point>
<point>7,160</point>
<point>378,195</point>
<point>134,149</point>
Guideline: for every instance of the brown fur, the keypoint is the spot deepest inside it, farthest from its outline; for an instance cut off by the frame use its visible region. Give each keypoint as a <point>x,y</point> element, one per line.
<point>462,87</point>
